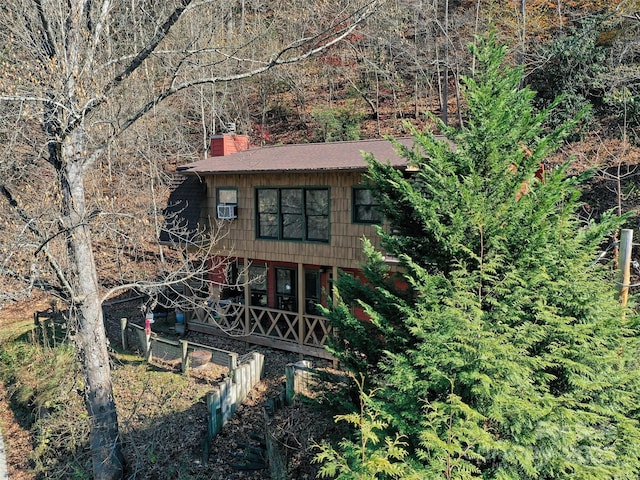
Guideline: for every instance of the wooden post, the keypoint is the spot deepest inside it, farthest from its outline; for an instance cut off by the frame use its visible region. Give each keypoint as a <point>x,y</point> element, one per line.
<point>301,304</point>
<point>185,356</point>
<point>247,299</point>
<point>147,347</point>
<point>123,333</point>
<point>290,392</point>
<point>334,297</point>
<point>215,413</point>
<point>276,459</point>
<point>233,361</point>
<point>626,242</point>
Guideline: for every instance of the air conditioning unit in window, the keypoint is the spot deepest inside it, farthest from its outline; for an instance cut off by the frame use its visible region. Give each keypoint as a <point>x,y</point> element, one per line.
<point>227,211</point>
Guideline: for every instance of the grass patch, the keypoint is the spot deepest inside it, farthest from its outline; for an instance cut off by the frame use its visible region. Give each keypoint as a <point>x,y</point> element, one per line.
<point>11,331</point>
<point>162,414</point>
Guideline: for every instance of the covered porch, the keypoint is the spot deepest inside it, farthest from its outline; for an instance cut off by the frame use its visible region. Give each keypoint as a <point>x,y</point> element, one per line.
<point>275,304</point>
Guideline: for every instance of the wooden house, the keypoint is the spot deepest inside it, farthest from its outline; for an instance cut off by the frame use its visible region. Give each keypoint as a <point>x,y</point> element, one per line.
<point>290,217</point>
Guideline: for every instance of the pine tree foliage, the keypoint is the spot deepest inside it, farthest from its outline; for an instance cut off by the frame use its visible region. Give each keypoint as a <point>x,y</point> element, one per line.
<point>370,456</point>
<point>506,354</point>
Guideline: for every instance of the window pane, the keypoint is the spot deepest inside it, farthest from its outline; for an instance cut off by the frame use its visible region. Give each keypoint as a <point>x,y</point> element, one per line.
<point>268,226</point>
<point>258,285</point>
<point>285,281</point>
<point>317,210</point>
<point>268,213</point>
<point>368,213</point>
<point>286,289</point>
<point>364,197</point>
<point>292,227</point>
<point>291,210</point>
<point>258,278</point>
<point>291,200</point>
<point>268,201</point>
<point>317,202</point>
<point>365,207</point>
<point>318,228</point>
<point>227,195</point>
<point>312,291</point>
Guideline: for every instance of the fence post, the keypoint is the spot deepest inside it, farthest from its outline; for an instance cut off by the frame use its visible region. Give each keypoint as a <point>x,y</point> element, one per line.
<point>185,356</point>
<point>123,333</point>
<point>147,342</point>
<point>289,371</point>
<point>276,460</point>
<point>298,377</point>
<point>214,408</point>
<point>54,340</point>
<point>258,363</point>
<point>626,242</point>
<point>233,365</point>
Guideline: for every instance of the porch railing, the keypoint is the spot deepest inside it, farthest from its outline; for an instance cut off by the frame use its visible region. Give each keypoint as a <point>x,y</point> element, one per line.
<point>281,329</point>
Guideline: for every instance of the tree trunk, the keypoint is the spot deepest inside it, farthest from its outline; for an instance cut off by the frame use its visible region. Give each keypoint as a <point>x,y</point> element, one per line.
<point>86,306</point>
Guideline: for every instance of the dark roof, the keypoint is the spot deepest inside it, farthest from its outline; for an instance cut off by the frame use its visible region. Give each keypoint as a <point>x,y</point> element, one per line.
<point>303,157</point>
<point>182,214</point>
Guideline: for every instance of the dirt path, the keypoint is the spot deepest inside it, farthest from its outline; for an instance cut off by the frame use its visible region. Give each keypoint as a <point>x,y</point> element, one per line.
<point>17,443</point>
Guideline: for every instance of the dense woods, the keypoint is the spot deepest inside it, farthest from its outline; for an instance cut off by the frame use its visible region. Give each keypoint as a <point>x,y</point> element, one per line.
<point>100,100</point>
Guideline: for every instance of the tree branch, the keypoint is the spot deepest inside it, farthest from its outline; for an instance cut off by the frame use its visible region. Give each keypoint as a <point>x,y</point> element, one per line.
<point>30,224</point>
<point>159,35</point>
<point>99,25</point>
<point>47,37</point>
<point>276,60</point>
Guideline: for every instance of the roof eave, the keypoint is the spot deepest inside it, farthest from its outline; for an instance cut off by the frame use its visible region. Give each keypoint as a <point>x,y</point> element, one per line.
<point>280,171</point>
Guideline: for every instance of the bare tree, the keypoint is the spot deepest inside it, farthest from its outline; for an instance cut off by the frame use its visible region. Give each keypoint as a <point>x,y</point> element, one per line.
<point>75,77</point>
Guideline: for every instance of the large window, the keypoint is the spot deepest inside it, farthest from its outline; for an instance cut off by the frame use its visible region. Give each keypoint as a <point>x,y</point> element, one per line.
<point>293,214</point>
<point>366,208</point>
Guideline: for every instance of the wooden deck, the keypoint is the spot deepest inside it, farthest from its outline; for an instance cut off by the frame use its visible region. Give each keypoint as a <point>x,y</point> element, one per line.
<point>284,330</point>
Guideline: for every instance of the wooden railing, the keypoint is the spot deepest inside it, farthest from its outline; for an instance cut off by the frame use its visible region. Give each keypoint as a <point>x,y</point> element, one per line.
<point>306,334</point>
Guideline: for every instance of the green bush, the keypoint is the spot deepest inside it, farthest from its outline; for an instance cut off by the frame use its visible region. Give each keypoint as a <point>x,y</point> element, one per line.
<point>337,124</point>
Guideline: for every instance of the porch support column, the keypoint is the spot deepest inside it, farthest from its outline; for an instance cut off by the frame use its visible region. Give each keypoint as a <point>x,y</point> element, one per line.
<point>247,298</point>
<point>301,301</point>
<point>334,272</point>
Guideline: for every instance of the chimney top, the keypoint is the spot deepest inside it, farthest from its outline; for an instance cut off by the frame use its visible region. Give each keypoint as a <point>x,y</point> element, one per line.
<point>222,145</point>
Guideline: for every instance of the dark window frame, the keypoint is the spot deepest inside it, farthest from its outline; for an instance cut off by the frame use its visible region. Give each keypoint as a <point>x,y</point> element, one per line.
<point>355,207</point>
<point>276,221</point>
<point>286,300</point>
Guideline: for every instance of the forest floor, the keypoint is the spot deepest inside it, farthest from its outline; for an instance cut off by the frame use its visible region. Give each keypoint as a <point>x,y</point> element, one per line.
<point>162,416</point>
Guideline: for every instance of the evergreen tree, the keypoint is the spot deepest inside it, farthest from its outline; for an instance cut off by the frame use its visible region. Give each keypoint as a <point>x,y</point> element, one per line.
<point>505,354</point>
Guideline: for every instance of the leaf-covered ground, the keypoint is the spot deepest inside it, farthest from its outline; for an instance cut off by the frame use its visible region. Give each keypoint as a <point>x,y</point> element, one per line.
<point>162,416</point>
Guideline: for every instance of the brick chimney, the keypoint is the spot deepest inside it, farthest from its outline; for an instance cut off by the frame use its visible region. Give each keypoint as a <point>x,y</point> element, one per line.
<point>221,145</point>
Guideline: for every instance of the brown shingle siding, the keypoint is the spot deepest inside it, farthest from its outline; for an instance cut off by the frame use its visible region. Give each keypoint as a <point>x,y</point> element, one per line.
<point>338,166</point>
